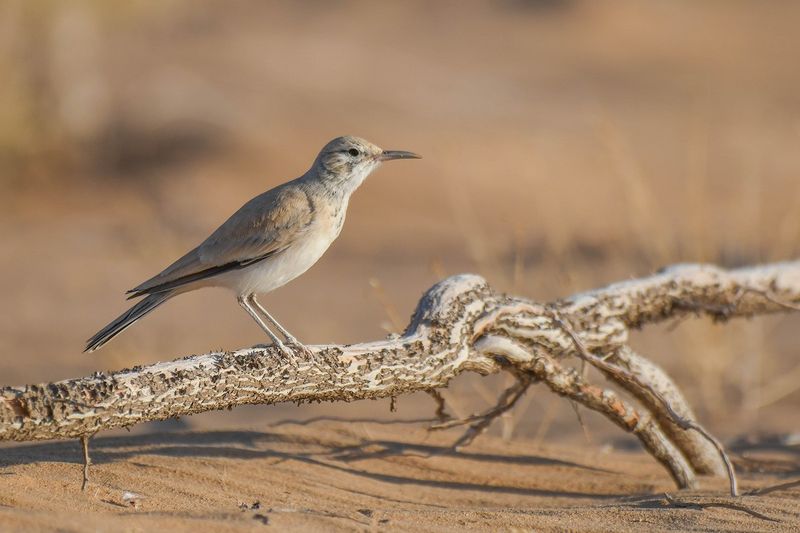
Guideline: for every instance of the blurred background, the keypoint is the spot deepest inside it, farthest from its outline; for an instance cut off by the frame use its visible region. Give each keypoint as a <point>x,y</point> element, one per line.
<point>567,144</point>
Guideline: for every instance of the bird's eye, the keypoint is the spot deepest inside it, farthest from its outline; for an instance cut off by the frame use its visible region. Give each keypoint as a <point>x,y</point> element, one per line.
<point>353,152</point>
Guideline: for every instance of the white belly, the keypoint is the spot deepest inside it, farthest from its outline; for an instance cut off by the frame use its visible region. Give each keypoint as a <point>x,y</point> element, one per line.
<point>273,272</point>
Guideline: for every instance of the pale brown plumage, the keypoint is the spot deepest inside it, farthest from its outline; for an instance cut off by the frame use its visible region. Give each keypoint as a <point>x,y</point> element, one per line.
<point>264,226</point>
<point>269,241</point>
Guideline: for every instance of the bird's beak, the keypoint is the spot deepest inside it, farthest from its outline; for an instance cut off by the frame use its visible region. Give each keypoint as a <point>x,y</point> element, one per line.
<point>388,155</point>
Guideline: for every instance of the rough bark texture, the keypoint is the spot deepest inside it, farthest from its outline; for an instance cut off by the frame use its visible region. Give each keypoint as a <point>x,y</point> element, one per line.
<point>460,325</point>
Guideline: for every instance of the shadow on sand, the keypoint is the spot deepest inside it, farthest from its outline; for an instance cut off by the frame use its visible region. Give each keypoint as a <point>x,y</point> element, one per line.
<point>312,450</point>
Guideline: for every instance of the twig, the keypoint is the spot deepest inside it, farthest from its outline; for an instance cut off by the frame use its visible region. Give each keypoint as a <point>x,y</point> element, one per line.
<point>441,413</point>
<point>567,382</point>
<point>623,375</point>
<point>367,420</point>
<point>701,453</point>
<point>87,461</point>
<point>482,421</point>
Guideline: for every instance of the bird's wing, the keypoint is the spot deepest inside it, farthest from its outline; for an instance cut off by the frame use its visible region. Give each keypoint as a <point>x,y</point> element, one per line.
<point>266,225</point>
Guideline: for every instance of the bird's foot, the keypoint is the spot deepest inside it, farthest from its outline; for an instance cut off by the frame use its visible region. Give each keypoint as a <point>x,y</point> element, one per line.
<point>292,350</point>
<point>288,352</point>
<point>300,349</point>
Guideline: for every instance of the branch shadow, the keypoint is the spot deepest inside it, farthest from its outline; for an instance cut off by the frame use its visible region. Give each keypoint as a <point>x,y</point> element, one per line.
<point>362,452</point>
<point>396,448</point>
<point>772,454</point>
<point>363,420</point>
<point>249,445</point>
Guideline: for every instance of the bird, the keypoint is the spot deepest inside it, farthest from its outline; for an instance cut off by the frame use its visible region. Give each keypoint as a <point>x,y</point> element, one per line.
<point>271,240</point>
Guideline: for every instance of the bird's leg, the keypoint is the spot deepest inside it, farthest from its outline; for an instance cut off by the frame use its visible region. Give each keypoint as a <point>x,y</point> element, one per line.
<point>244,301</point>
<point>87,461</point>
<point>290,339</point>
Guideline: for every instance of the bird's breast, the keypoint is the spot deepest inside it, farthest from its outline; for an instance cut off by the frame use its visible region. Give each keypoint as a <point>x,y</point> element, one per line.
<point>331,215</point>
<point>337,222</point>
<point>283,267</point>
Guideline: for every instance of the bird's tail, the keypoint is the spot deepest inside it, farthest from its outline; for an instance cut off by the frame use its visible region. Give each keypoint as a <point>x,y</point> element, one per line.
<point>126,319</point>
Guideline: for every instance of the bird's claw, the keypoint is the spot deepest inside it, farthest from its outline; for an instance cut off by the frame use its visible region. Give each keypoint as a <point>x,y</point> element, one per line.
<point>301,350</point>
<point>292,350</point>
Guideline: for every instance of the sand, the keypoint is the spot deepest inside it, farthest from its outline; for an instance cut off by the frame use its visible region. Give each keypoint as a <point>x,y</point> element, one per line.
<point>361,475</point>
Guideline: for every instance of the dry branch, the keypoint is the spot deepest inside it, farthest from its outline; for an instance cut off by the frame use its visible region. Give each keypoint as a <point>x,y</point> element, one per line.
<point>460,325</point>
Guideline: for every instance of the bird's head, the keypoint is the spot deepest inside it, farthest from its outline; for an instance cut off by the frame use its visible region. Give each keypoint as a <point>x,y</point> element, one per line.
<point>347,161</point>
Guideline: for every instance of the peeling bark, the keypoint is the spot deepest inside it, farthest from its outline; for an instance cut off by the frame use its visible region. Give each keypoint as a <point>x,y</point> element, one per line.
<point>459,325</point>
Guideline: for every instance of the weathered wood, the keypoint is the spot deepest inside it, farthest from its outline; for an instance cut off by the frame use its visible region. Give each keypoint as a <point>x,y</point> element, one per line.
<point>460,325</point>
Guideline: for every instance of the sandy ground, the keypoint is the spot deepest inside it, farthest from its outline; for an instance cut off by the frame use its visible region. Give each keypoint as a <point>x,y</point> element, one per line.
<point>566,145</point>
<point>361,475</point>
